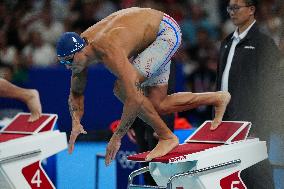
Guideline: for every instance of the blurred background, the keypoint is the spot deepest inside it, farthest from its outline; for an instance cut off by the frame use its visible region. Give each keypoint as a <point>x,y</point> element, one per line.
<point>29,30</point>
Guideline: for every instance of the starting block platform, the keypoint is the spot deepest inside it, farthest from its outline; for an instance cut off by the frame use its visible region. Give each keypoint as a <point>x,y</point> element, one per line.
<point>207,160</point>
<point>23,145</point>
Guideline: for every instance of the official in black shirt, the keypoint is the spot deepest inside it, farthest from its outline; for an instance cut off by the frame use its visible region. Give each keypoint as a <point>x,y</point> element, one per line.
<point>248,60</point>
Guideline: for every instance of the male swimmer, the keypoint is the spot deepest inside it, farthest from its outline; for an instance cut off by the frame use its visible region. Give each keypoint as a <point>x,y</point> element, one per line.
<point>150,38</point>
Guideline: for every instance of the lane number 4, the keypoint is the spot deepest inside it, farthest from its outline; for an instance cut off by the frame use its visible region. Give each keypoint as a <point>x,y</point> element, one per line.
<point>36,179</point>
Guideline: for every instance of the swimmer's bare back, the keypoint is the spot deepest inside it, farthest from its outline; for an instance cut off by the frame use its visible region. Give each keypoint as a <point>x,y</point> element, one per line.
<point>132,29</point>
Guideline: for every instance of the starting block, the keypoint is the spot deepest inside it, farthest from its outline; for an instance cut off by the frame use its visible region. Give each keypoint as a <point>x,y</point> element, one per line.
<point>207,160</point>
<point>23,145</point>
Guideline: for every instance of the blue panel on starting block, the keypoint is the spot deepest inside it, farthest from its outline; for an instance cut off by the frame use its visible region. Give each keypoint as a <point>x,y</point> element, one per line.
<point>183,134</point>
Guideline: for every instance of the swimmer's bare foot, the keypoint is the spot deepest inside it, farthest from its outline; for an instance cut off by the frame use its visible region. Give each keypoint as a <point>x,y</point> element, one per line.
<point>34,105</point>
<point>163,147</point>
<point>220,108</point>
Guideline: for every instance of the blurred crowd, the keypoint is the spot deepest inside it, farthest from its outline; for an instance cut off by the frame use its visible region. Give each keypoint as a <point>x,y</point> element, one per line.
<point>29,30</point>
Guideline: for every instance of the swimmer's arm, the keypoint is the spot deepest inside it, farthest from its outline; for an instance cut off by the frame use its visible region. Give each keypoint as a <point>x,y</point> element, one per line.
<point>116,60</point>
<point>108,48</point>
<point>76,97</point>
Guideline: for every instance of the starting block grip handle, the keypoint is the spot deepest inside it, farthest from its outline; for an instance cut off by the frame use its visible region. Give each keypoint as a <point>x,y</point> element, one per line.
<point>136,173</point>
<point>19,156</point>
<point>139,172</point>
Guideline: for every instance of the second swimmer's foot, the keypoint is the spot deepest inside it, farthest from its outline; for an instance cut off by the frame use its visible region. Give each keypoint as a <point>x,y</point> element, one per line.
<point>220,108</point>
<point>34,105</point>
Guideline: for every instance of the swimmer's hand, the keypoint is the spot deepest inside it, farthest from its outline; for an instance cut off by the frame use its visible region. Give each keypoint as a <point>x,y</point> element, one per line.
<point>112,148</point>
<point>77,129</point>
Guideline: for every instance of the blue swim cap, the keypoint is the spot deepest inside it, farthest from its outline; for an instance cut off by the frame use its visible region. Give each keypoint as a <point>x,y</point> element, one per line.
<point>69,43</point>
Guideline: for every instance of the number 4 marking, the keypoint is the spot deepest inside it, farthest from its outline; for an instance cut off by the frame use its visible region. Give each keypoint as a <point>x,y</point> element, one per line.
<point>235,183</point>
<point>36,178</point>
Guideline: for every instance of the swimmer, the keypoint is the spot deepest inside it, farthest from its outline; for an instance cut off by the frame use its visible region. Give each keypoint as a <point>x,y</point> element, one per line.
<point>136,45</point>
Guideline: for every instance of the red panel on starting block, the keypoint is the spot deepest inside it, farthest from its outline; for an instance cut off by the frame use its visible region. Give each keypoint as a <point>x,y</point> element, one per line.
<point>242,135</point>
<point>20,124</point>
<point>226,132</point>
<point>7,136</point>
<point>177,153</point>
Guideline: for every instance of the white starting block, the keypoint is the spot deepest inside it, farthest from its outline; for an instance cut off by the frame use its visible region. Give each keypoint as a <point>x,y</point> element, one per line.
<point>207,160</point>
<point>23,145</point>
